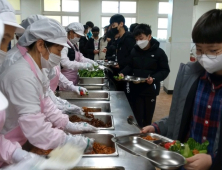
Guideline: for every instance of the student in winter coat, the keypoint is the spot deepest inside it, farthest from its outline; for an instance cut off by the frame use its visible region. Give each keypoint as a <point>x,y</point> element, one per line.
<point>92,47</point>
<point>83,41</point>
<point>124,45</point>
<point>149,61</point>
<point>126,40</point>
<point>196,105</point>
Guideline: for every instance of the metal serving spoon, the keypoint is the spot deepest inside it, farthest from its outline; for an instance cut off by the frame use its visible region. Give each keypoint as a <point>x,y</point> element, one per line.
<point>131,122</point>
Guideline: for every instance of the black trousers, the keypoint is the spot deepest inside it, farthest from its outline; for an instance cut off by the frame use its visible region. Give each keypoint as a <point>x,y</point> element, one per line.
<point>143,108</point>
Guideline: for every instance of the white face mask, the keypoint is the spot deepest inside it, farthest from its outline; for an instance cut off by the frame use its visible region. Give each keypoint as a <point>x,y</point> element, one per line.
<point>211,65</point>
<point>53,60</point>
<point>2,56</point>
<point>142,43</point>
<point>74,40</point>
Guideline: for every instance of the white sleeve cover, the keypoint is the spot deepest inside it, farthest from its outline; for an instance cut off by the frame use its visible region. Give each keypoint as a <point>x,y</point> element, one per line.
<point>85,60</point>
<point>65,83</point>
<point>41,133</point>
<point>67,64</point>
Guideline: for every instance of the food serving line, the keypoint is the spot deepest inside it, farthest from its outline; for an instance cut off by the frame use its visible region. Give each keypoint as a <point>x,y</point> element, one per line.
<point>132,152</point>
<point>113,104</point>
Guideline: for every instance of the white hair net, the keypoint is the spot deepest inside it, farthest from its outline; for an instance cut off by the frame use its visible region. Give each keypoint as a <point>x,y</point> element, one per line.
<point>28,21</point>
<point>76,27</point>
<point>7,15</point>
<point>46,29</point>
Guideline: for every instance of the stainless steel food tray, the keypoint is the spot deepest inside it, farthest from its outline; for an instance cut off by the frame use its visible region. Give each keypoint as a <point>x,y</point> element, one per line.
<point>99,168</point>
<point>110,63</point>
<point>157,155</point>
<point>135,144</point>
<point>105,107</point>
<point>134,79</point>
<point>107,63</point>
<point>93,95</point>
<point>154,135</point>
<point>91,80</point>
<point>101,116</point>
<point>105,139</point>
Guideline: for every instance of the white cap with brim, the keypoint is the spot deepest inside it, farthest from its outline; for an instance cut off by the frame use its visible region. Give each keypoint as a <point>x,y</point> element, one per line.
<point>46,29</point>
<point>3,102</point>
<point>28,21</point>
<point>77,27</point>
<point>7,15</point>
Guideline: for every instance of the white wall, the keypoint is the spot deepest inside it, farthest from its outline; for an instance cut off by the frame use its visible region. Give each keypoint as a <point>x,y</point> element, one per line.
<point>148,13</point>
<point>29,7</point>
<point>90,10</point>
<point>201,8</point>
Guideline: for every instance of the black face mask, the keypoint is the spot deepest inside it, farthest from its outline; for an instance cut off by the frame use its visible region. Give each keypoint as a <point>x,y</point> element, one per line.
<point>95,34</point>
<point>115,31</point>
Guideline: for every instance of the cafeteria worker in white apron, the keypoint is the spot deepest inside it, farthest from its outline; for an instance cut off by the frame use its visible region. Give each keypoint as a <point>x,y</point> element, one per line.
<point>31,114</point>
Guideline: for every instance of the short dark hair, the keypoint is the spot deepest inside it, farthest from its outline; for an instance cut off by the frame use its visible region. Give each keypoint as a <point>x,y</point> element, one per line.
<point>208,28</point>
<point>95,29</point>
<point>86,27</point>
<point>90,24</point>
<point>117,18</point>
<point>133,26</point>
<point>142,29</point>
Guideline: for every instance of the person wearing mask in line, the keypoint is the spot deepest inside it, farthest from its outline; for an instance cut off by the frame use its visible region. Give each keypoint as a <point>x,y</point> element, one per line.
<point>54,74</point>
<point>83,41</point>
<point>90,25</point>
<point>92,47</point>
<point>196,104</point>
<point>10,151</point>
<point>103,44</point>
<point>71,58</point>
<point>124,45</point>
<point>149,61</point>
<point>31,114</point>
<point>133,26</point>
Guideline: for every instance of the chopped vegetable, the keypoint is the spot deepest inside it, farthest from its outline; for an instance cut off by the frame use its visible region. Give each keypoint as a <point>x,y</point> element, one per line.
<point>195,151</point>
<point>186,152</point>
<point>169,144</point>
<point>118,77</point>
<point>189,149</point>
<point>91,73</point>
<point>195,145</point>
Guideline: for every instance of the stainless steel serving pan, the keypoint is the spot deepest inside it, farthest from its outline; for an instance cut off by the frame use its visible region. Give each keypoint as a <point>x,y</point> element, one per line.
<point>104,139</point>
<point>103,106</point>
<point>101,116</point>
<point>93,95</point>
<point>99,168</point>
<point>157,155</point>
<point>91,80</point>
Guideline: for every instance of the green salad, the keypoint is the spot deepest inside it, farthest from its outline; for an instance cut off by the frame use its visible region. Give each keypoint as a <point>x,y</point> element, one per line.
<point>91,73</point>
<point>190,148</point>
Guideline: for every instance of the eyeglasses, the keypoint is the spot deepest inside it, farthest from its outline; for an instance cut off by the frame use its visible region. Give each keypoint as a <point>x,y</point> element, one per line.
<point>212,54</point>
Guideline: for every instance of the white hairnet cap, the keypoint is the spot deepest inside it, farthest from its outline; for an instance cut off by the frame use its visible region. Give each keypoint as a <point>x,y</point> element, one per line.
<point>3,101</point>
<point>7,15</point>
<point>46,29</point>
<point>28,21</point>
<point>76,27</point>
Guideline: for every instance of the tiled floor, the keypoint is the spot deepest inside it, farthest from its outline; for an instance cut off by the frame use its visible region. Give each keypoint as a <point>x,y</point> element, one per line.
<point>163,104</point>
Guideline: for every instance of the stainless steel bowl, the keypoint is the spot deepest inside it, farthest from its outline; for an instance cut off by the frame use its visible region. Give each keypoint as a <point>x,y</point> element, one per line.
<point>164,159</point>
